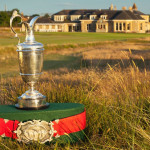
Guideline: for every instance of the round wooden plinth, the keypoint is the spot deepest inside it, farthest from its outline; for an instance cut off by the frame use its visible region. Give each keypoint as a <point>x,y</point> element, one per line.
<point>55,113</point>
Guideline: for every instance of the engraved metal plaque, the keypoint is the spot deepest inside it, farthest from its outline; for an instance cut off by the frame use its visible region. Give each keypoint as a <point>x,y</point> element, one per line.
<point>36,130</point>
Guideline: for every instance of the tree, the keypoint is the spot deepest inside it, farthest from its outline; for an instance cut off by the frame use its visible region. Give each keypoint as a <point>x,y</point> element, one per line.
<point>46,15</point>
<point>35,15</point>
<point>5,19</point>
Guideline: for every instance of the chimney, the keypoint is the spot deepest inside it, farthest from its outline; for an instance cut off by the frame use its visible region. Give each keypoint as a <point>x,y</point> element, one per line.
<point>124,8</point>
<point>111,7</point>
<point>134,7</point>
<point>130,8</point>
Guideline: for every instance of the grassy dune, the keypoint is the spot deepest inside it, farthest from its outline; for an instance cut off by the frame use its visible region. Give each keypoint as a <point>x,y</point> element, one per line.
<point>111,78</point>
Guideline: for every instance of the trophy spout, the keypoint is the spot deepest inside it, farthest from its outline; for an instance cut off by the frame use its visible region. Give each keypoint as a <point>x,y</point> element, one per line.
<point>30,29</point>
<point>33,21</point>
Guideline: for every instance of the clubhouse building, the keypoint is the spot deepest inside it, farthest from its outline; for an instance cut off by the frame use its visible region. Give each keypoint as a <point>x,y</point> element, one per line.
<point>95,20</point>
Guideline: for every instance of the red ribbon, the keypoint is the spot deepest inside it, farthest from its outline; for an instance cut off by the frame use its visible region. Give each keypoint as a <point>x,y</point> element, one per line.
<point>62,126</point>
<point>70,124</point>
<point>7,127</point>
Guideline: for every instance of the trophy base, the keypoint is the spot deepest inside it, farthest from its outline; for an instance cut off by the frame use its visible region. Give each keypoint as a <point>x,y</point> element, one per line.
<point>32,100</point>
<point>32,108</point>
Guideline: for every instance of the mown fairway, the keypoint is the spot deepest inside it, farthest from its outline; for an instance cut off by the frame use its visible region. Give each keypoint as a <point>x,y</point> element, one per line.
<point>108,73</point>
<point>60,38</point>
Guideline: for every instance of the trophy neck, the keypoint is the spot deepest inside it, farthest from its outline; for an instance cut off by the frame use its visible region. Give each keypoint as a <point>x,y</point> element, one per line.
<point>30,37</point>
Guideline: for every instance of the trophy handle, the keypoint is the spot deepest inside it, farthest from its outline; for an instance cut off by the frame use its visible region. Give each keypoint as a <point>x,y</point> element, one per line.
<point>28,26</point>
<point>14,15</point>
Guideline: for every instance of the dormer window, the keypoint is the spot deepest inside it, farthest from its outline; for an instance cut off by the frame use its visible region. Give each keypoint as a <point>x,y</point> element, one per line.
<point>59,18</point>
<point>93,17</point>
<point>75,17</point>
<point>104,17</point>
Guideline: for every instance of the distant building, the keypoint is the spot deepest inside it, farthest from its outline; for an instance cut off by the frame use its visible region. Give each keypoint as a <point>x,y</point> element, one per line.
<point>95,20</point>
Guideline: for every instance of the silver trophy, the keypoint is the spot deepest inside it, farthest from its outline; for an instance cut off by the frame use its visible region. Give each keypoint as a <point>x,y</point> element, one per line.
<point>30,55</point>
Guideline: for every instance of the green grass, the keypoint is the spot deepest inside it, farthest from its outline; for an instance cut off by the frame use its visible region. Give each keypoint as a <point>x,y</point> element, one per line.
<point>116,97</point>
<point>61,38</point>
<point>74,38</point>
<point>56,61</point>
<point>10,66</point>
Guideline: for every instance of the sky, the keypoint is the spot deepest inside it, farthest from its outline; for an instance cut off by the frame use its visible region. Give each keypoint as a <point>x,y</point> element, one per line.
<point>29,7</point>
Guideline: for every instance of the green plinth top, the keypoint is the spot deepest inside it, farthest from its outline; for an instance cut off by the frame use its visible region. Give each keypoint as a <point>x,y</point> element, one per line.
<point>54,111</point>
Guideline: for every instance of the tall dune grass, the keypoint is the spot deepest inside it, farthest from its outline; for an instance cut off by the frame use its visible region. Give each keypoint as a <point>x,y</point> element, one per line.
<point>112,82</point>
<point>116,100</point>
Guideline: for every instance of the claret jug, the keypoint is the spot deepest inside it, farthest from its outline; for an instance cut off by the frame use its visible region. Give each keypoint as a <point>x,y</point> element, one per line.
<point>30,56</point>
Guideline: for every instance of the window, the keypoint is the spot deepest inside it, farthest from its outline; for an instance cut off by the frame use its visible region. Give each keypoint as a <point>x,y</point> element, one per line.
<point>36,26</point>
<point>47,26</point>
<point>70,28</point>
<point>101,26</point>
<point>78,28</point>
<point>53,26</point>
<point>62,18</point>
<point>93,17</point>
<point>117,26</point>
<point>124,26</point>
<point>103,16</point>
<point>128,26</point>
<point>141,26</point>
<point>74,28</point>
<point>40,26</point>
<point>77,18</point>
<point>58,18</point>
<point>73,18</point>
<point>59,26</point>
<point>120,26</point>
<point>88,27</point>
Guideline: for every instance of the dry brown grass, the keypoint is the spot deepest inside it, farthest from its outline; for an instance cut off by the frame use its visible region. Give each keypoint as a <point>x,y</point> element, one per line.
<point>112,81</point>
<point>116,100</point>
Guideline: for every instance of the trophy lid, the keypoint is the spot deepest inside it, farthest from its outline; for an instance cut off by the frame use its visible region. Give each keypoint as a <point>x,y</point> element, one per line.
<point>30,46</point>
